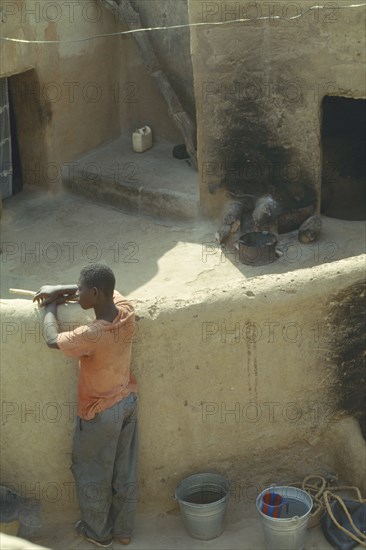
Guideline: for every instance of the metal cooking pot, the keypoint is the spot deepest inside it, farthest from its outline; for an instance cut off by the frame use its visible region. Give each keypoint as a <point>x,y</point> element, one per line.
<point>257,248</point>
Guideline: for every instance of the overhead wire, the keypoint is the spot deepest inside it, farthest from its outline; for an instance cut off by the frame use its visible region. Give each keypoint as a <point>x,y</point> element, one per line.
<point>187,25</point>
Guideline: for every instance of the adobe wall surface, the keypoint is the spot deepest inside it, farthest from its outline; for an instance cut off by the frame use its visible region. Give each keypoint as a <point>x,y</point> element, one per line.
<point>229,378</point>
<point>142,104</point>
<point>233,361</point>
<point>62,92</point>
<point>259,89</point>
<point>171,45</point>
<point>71,97</point>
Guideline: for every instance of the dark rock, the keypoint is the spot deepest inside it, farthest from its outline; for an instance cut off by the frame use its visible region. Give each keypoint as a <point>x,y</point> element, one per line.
<point>310,230</point>
<point>180,152</point>
<point>223,233</point>
<point>233,212</point>
<point>264,215</point>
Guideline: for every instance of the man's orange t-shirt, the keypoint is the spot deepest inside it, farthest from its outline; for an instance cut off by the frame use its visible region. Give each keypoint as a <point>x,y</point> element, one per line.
<point>104,351</point>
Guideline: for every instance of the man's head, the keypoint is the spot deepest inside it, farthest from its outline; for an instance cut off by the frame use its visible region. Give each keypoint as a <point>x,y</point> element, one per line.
<point>96,283</point>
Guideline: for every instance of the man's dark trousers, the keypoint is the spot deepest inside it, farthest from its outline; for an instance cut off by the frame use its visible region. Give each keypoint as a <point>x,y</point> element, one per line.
<point>104,465</point>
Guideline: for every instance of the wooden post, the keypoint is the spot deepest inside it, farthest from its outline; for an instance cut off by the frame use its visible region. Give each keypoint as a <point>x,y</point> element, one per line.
<point>131,19</point>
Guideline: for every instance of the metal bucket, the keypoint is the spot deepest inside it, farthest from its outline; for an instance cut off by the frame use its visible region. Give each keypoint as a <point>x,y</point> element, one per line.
<point>287,532</point>
<point>203,501</point>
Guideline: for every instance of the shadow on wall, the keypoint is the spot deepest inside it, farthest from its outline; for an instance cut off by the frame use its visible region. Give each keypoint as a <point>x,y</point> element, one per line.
<point>347,350</point>
<point>255,163</point>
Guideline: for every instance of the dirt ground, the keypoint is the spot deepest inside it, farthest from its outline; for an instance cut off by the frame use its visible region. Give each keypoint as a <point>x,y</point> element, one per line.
<point>166,532</point>
<point>48,238</point>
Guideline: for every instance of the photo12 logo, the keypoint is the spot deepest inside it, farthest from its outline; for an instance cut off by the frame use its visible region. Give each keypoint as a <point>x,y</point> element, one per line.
<point>52,412</point>
<point>68,491</point>
<point>291,412</point>
<point>67,11</point>
<point>54,252</point>
<point>268,332</point>
<point>216,12</point>
<point>73,92</point>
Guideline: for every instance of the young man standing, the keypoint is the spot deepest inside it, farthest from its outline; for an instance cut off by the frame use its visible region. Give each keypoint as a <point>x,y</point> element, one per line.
<point>104,456</point>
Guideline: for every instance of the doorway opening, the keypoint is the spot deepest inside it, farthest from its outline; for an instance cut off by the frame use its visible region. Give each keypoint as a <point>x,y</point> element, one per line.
<point>10,165</point>
<point>343,170</point>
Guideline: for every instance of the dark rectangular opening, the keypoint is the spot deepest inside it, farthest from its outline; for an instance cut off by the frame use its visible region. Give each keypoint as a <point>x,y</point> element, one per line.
<point>343,170</point>
<point>16,162</point>
<point>10,164</point>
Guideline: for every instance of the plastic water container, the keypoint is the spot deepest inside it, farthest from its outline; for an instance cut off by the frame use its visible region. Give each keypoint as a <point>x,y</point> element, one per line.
<point>142,139</point>
<point>287,532</point>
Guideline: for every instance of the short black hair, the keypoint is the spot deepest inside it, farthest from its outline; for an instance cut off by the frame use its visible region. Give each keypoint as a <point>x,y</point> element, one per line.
<point>100,276</point>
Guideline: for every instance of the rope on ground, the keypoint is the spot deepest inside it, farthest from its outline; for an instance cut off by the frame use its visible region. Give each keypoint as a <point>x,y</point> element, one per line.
<point>322,490</point>
<point>315,485</point>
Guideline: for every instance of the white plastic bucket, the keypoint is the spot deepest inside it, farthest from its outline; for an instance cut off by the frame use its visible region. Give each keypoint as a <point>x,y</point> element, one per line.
<point>203,502</point>
<point>287,532</point>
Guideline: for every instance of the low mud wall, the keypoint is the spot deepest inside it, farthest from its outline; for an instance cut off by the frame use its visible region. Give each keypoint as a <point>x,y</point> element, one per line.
<point>236,380</point>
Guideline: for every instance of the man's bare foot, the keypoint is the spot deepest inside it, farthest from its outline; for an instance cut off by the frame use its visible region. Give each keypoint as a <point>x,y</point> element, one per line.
<point>124,540</point>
